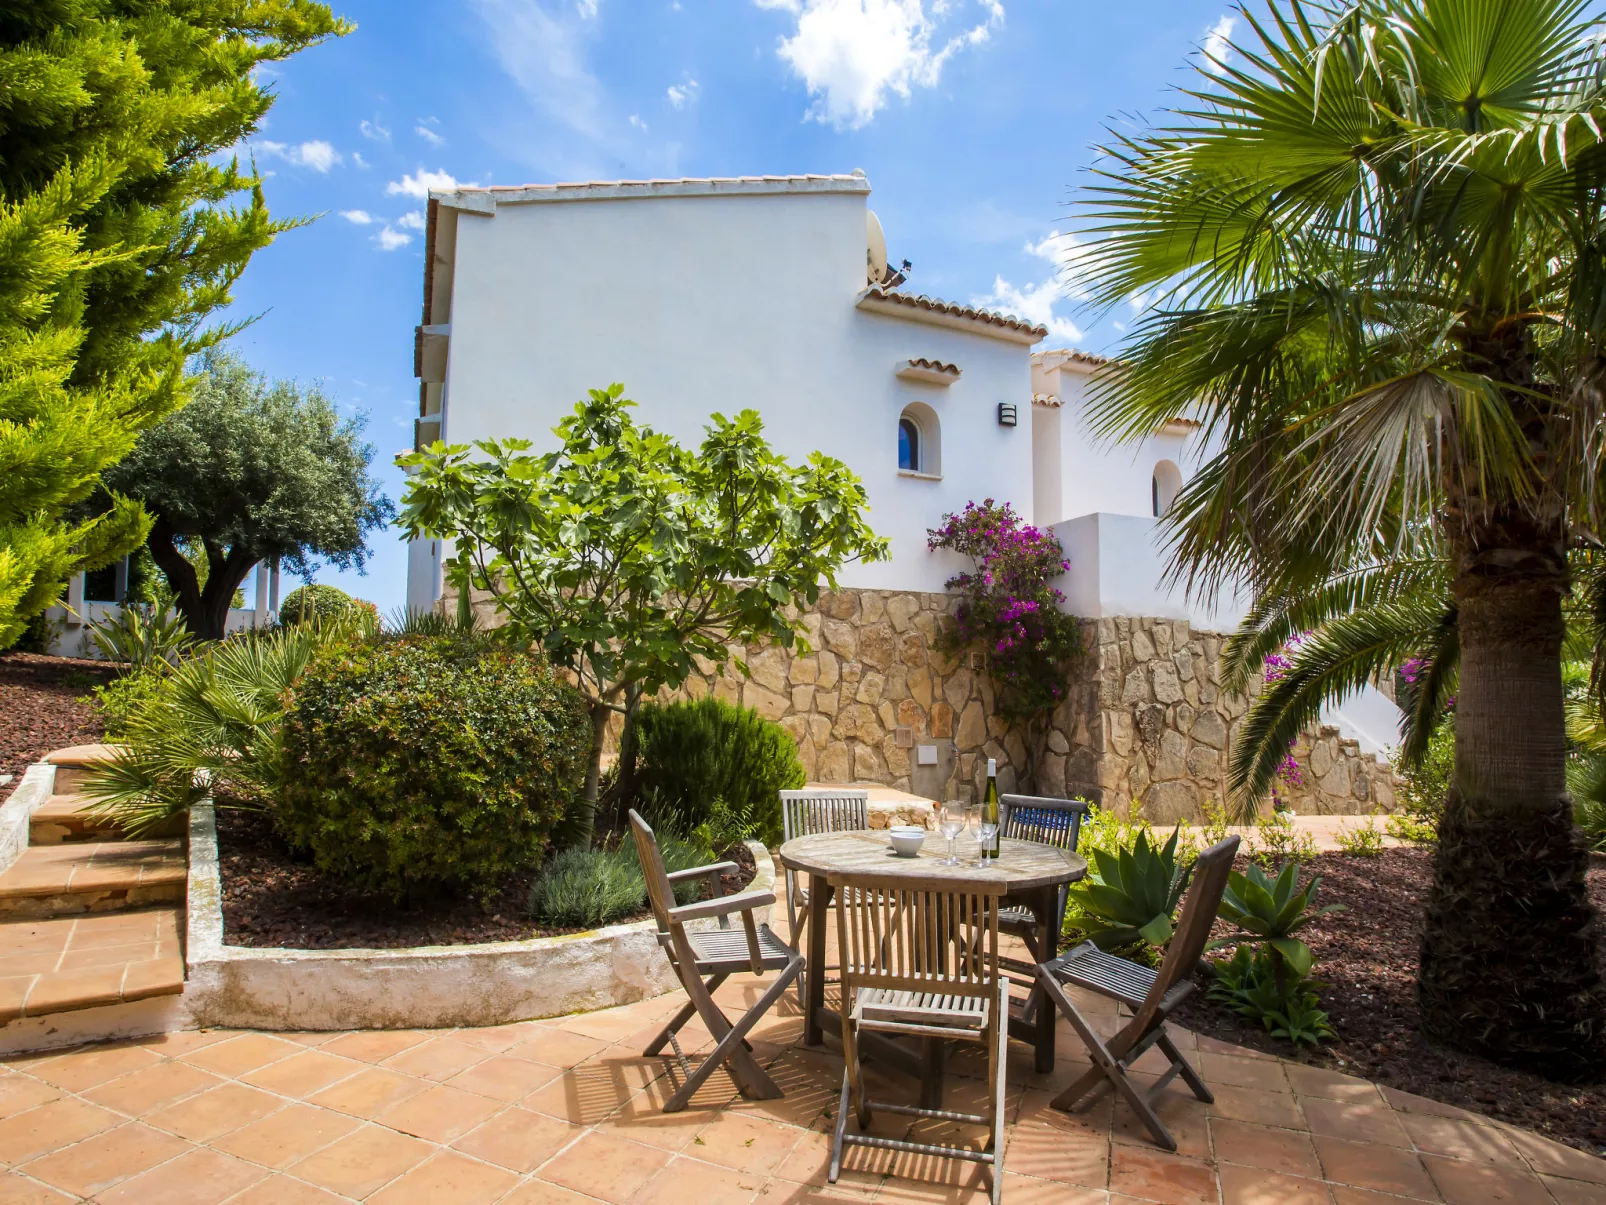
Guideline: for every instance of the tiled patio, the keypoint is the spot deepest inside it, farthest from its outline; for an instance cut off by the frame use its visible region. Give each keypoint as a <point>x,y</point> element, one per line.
<point>566,1111</point>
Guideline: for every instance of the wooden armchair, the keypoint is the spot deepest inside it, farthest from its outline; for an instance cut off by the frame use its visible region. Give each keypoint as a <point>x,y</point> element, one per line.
<point>704,959</point>
<point>1151,994</point>
<point>804,813</point>
<point>1047,821</point>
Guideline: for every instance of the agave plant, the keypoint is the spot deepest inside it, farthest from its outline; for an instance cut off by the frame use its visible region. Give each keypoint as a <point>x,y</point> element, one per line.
<point>143,637</point>
<point>1131,893</point>
<point>214,724</point>
<point>1270,911</point>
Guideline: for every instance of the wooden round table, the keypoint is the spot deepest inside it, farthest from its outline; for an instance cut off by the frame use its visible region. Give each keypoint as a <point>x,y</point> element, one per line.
<point>1033,874</point>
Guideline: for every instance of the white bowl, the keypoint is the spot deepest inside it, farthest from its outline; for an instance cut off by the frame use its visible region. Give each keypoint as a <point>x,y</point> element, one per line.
<point>907,840</point>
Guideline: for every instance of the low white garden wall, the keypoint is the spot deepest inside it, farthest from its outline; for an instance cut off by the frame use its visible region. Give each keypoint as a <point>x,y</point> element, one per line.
<point>38,781</point>
<point>420,988</point>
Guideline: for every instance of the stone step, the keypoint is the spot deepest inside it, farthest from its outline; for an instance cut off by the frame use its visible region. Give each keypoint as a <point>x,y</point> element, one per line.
<point>92,876</point>
<point>67,818</point>
<point>69,963</point>
<point>73,764</point>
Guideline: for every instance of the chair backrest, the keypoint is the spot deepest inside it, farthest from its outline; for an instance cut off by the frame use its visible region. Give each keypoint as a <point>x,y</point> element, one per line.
<point>1047,821</point>
<point>917,935</point>
<point>1193,929</point>
<point>804,813</point>
<point>660,894</point>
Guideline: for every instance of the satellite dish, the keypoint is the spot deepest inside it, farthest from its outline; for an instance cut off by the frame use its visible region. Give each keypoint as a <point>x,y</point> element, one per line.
<point>875,258</point>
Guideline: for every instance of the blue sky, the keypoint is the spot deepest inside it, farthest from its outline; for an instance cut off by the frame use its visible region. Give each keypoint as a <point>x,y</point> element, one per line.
<point>973,119</point>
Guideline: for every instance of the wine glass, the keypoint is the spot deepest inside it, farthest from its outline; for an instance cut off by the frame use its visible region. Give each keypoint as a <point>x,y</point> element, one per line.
<point>953,823</point>
<point>986,830</point>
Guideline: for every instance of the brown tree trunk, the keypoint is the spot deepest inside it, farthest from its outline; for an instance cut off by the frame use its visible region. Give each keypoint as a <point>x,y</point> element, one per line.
<point>1508,966</point>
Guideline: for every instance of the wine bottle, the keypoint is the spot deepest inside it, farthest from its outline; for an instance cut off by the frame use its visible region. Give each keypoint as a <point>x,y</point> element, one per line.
<point>989,809</point>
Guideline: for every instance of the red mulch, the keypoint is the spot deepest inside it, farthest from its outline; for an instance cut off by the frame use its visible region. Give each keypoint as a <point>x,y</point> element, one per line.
<point>1367,957</point>
<point>274,899</point>
<point>45,706</point>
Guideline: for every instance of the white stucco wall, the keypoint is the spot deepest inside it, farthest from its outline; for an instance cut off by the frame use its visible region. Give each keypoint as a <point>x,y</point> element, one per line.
<point>705,303</point>
<point>1118,567</point>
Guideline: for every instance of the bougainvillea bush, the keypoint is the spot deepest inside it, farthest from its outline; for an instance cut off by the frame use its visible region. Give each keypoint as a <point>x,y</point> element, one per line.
<point>1009,607</point>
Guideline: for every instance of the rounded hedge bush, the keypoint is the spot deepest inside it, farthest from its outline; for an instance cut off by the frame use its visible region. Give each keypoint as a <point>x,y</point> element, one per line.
<point>307,603</point>
<point>425,762</point>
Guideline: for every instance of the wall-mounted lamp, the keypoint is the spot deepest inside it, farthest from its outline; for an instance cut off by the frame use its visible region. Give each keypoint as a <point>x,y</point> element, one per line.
<point>1006,414</point>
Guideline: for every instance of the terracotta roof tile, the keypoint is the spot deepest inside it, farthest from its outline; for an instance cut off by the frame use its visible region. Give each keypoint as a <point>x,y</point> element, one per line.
<point>879,296</point>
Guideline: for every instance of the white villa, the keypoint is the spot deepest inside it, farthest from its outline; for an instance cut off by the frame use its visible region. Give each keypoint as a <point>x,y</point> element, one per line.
<point>775,293</point>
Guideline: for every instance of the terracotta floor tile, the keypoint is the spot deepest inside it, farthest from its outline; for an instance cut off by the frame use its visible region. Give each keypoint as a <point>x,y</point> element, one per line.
<point>1255,1186</point>
<point>93,1065</point>
<point>374,1045</point>
<point>1048,1153</point>
<point>1345,1195</point>
<point>1553,1159</point>
<point>97,1163</point>
<point>643,1119</point>
<point>689,1182</point>
<point>67,991</point>
<point>1157,1176</point>
<point>292,1133</point>
<point>1184,1116</point>
<point>16,1189</point>
<point>1377,1124</point>
<point>539,1192</point>
<point>1575,1192</point>
<point>370,1092</point>
<point>1462,1182</point>
<point>153,1087</point>
<point>438,1059</point>
<point>199,1178</point>
<point>1406,1102</point>
<point>1330,1085</point>
<point>242,1054</point>
<point>182,1042</point>
<point>1456,1139</point>
<point>580,1096</point>
<point>1235,1071</point>
<point>440,1113</point>
<point>557,1048</point>
<point>1381,1168</point>
<point>1275,1150</point>
<point>746,1144</point>
<point>19,1093</point>
<point>497,1038</point>
<point>518,1139</point>
<point>50,1127</point>
<point>362,1162</point>
<point>607,1025</point>
<point>599,1165</point>
<point>215,1112</point>
<point>302,1074</point>
<point>1258,1107</point>
<point>447,1179</point>
<point>505,1077</point>
<point>283,1190</point>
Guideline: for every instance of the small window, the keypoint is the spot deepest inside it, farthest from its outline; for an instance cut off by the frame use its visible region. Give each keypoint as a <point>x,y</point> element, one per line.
<point>908,444</point>
<point>1163,486</point>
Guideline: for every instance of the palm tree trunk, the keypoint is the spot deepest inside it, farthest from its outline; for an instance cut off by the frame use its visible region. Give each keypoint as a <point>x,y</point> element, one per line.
<point>1508,965</point>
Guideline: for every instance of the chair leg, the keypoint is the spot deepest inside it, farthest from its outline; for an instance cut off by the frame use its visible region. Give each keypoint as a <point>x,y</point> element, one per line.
<point>685,1014</point>
<point>1184,1068</point>
<point>998,1060</point>
<point>840,1131</point>
<point>751,1079</point>
<point>1107,1067</point>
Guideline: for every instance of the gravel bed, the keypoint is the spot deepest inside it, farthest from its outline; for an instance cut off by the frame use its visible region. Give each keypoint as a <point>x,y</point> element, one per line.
<point>45,705</point>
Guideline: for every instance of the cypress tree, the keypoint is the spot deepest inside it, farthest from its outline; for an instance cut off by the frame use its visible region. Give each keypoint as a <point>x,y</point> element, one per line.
<point>121,232</point>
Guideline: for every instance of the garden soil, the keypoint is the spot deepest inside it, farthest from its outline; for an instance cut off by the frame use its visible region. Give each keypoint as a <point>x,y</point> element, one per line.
<point>1367,960</point>
<point>45,705</point>
<point>272,898</point>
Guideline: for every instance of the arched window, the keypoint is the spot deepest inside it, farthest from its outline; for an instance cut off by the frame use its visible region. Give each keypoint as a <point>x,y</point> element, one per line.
<point>919,441</point>
<point>908,444</point>
<point>1165,483</point>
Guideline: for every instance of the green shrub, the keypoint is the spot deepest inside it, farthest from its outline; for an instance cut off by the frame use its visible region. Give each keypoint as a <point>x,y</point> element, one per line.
<point>421,762</point>
<point>588,888</point>
<point>142,638</point>
<point>1365,841</point>
<point>678,853</point>
<point>1420,798</point>
<point>1131,892</point>
<point>124,697</point>
<point>692,754</point>
<point>1277,840</point>
<point>306,604</point>
<point>1248,983</point>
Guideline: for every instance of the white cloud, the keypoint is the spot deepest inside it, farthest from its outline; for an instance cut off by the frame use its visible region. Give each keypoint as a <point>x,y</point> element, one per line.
<point>1218,44</point>
<point>1035,303</point>
<point>544,53</point>
<point>679,94</point>
<point>424,128</point>
<point>358,160</point>
<point>419,185</point>
<point>635,120</point>
<point>372,129</point>
<point>586,8</point>
<point>390,239</point>
<point>1069,255</point>
<point>852,53</point>
<point>412,220</point>
<point>358,217</point>
<point>316,154</point>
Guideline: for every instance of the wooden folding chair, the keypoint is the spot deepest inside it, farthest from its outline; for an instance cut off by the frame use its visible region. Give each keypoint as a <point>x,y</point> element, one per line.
<point>1047,821</point>
<point>718,954</point>
<point>804,813</point>
<point>1151,994</point>
<point>919,958</point>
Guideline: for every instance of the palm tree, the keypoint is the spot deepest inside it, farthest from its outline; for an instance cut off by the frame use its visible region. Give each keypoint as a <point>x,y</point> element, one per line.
<point>1373,250</point>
